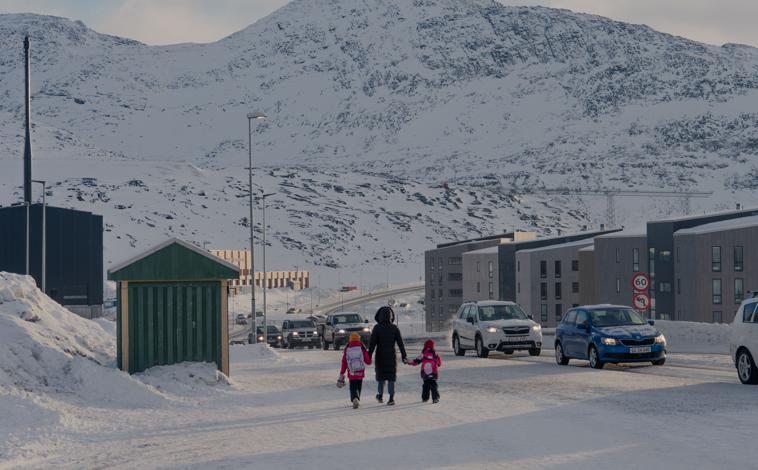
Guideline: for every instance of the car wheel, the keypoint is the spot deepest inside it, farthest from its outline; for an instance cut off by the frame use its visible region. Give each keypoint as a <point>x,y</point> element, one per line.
<point>535,351</point>
<point>481,350</point>
<point>594,356</point>
<point>659,362</point>
<point>560,358</point>
<point>457,347</point>
<point>746,368</point>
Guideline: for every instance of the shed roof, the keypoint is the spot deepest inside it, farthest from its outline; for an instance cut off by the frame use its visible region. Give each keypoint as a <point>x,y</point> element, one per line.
<point>173,260</point>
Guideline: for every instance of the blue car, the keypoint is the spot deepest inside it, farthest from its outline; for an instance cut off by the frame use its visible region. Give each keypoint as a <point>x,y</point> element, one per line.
<point>605,334</point>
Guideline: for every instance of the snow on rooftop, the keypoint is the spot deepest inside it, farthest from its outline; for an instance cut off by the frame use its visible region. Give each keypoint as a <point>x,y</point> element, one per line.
<point>576,243</point>
<point>731,224</point>
<point>627,233</point>
<point>483,251</point>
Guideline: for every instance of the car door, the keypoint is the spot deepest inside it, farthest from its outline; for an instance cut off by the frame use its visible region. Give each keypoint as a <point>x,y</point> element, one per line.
<point>467,328</point>
<point>581,338</point>
<point>567,330</point>
<point>749,329</point>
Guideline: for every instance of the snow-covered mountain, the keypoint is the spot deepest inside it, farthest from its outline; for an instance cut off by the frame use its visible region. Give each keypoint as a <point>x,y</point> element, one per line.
<point>394,124</point>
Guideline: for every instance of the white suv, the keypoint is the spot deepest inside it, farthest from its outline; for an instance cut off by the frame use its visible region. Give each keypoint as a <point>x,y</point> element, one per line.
<point>495,325</point>
<point>743,340</point>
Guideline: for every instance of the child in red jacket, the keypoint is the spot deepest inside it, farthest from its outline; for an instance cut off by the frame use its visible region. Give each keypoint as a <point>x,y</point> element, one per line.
<point>430,364</point>
<point>355,358</point>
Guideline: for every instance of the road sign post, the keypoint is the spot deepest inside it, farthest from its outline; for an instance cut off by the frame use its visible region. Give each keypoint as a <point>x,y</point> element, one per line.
<point>641,301</point>
<point>640,282</point>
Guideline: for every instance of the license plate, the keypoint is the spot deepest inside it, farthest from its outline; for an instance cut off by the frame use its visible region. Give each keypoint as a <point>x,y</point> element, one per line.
<point>643,350</point>
<point>516,339</point>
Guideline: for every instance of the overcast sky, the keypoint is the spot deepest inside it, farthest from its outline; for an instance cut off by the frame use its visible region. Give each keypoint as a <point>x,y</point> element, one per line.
<point>174,21</point>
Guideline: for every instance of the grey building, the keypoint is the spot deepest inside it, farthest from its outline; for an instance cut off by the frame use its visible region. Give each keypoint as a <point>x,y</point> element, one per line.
<point>480,274</point>
<point>616,258</point>
<point>444,276</point>
<point>660,242</point>
<point>715,265</point>
<point>548,281</point>
<point>587,275</point>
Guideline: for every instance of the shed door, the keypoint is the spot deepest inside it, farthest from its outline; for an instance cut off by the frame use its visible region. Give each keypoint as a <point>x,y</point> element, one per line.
<point>171,323</point>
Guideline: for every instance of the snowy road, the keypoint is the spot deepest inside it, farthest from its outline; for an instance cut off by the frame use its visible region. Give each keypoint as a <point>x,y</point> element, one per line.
<point>515,412</point>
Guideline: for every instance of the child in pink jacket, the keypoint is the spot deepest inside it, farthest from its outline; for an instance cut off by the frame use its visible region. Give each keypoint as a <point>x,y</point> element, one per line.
<point>355,358</point>
<point>430,364</point>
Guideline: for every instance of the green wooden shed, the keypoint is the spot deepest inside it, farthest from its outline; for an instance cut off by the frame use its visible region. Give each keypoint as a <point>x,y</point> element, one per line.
<point>172,307</point>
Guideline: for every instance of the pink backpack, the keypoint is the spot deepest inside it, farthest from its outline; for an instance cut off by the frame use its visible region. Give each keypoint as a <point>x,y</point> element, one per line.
<point>428,364</point>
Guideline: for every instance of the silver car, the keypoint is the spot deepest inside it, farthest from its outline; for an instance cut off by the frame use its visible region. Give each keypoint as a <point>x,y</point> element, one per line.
<point>299,333</point>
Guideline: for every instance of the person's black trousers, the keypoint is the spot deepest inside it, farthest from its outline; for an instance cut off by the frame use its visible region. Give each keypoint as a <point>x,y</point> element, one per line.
<point>355,389</point>
<point>430,385</point>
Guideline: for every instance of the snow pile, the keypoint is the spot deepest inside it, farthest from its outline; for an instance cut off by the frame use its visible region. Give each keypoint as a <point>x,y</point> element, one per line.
<point>184,379</point>
<point>694,337</point>
<point>43,345</point>
<point>252,354</point>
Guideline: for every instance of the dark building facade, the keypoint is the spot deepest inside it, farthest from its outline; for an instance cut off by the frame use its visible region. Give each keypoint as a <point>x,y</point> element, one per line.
<point>74,254</point>
<point>660,243</point>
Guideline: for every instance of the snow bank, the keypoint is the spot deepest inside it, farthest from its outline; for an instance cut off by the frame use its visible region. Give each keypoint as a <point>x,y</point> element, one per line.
<point>184,379</point>
<point>40,340</point>
<point>693,337</point>
<point>255,354</point>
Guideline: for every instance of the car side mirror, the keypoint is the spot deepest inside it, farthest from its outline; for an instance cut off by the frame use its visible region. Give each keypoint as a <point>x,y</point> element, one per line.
<point>583,326</point>
<point>470,320</point>
<point>651,322</point>
<point>365,320</point>
<point>530,316</point>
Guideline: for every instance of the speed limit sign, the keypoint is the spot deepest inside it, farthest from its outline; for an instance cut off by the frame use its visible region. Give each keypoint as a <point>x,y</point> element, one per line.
<point>641,301</point>
<point>640,282</point>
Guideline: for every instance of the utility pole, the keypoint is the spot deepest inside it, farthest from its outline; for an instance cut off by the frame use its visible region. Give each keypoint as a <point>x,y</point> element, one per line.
<point>258,117</point>
<point>265,273</point>
<point>43,282</point>
<point>27,146</point>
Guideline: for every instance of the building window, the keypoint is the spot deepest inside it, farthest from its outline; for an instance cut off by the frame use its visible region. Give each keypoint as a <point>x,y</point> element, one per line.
<point>678,252</point>
<point>440,293</point>
<point>439,262</point>
<point>635,259</point>
<point>430,261</point>
<point>716,259</point>
<point>678,287</point>
<point>717,317</point>
<point>492,291</point>
<point>518,287</point>
<point>618,285</point>
<point>518,266</point>
<point>477,266</point>
<point>738,260</point>
<point>716,291</point>
<point>739,290</point>
<point>491,268</point>
<point>543,269</point>
<point>557,269</point>
<point>558,312</point>
<point>543,290</point>
<point>557,291</point>
<point>618,255</point>
<point>664,286</point>
<point>543,313</point>
<point>575,265</point>
<point>454,261</point>
<point>454,276</point>
<point>575,287</point>
<point>456,292</point>
<point>664,256</point>
<point>478,287</point>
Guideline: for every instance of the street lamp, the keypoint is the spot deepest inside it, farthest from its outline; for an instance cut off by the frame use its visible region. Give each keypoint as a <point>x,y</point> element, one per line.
<point>258,116</point>
<point>265,273</point>
<point>43,282</point>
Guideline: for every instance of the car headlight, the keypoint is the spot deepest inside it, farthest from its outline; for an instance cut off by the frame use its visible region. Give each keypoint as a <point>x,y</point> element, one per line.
<point>609,341</point>
<point>492,329</point>
<point>537,327</point>
<point>315,332</point>
<point>366,329</point>
<point>341,332</point>
<point>295,333</point>
<point>660,339</point>
<point>278,337</point>
<point>260,338</point>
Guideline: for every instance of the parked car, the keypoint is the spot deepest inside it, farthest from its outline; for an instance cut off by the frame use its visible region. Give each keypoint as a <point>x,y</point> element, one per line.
<point>241,320</point>
<point>299,333</point>
<point>495,325</point>
<point>274,336</point>
<point>291,310</point>
<point>337,328</point>
<point>743,341</point>
<point>605,334</point>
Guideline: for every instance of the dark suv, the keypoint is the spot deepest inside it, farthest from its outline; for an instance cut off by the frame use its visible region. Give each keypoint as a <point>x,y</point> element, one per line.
<point>299,333</point>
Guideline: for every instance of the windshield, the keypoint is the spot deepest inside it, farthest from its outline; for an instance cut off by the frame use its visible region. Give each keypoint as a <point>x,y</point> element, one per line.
<point>349,318</point>
<point>270,328</point>
<point>301,324</point>
<point>616,317</point>
<point>501,312</point>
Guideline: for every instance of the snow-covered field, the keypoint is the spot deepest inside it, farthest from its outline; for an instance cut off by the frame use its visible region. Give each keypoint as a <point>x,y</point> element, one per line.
<point>64,405</point>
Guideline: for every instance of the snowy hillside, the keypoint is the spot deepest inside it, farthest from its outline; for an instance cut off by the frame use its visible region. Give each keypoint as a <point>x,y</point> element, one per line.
<point>394,125</point>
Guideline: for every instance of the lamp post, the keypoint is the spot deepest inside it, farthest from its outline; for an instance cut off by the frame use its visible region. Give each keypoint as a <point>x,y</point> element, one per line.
<point>265,273</point>
<point>258,116</point>
<point>43,282</point>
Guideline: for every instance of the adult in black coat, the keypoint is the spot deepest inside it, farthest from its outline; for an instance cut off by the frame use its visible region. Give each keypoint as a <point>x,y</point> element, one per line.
<point>384,336</point>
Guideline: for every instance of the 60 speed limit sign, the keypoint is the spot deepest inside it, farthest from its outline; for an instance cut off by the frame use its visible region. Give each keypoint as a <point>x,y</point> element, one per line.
<point>641,301</point>
<point>640,282</point>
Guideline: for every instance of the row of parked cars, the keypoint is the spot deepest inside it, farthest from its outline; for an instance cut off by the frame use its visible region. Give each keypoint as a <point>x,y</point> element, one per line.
<point>600,334</point>
<point>316,331</point>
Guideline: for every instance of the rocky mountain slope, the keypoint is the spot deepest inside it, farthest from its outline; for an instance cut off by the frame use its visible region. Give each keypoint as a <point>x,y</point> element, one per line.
<point>393,125</point>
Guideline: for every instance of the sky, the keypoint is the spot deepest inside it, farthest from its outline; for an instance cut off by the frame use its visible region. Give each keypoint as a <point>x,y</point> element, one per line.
<point>175,21</point>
